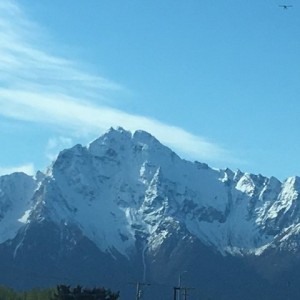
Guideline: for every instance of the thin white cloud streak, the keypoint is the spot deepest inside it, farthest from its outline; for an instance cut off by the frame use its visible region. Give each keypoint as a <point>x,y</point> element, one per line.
<point>39,87</point>
<point>86,118</point>
<point>26,168</point>
<point>22,60</point>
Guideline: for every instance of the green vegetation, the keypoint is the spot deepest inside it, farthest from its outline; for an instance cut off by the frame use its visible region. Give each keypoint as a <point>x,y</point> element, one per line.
<point>35,294</point>
<point>62,292</point>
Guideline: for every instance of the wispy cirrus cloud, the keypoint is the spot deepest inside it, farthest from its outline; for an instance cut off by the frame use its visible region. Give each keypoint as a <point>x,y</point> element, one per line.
<point>86,118</point>
<point>25,64</point>
<point>40,87</point>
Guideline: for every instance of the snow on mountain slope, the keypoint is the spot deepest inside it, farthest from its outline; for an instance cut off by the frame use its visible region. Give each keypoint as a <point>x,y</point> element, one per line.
<point>123,184</point>
<point>16,191</point>
<point>124,187</point>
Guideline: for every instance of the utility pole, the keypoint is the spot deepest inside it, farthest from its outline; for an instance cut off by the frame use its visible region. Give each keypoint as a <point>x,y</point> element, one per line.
<point>185,292</point>
<point>179,284</point>
<point>139,292</point>
<point>175,292</point>
<point>178,289</point>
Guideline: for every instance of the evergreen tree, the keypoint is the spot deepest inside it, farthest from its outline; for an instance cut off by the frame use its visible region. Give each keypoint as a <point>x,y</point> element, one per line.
<point>64,292</point>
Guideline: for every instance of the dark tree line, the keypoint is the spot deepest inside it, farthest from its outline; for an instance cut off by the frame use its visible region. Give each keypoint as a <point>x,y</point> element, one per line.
<point>62,292</point>
<point>65,292</point>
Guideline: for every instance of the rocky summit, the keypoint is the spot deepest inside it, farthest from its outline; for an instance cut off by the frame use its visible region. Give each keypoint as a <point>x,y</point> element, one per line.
<point>127,209</point>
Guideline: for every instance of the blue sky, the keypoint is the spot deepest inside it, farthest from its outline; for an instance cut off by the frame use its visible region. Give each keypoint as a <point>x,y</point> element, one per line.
<point>217,81</point>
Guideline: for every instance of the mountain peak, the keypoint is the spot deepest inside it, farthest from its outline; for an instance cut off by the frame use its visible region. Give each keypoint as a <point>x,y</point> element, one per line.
<point>118,131</point>
<point>126,195</point>
<point>293,181</point>
<point>143,136</point>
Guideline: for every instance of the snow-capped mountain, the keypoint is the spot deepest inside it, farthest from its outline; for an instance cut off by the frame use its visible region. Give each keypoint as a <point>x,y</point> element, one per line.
<point>126,207</point>
<point>16,191</point>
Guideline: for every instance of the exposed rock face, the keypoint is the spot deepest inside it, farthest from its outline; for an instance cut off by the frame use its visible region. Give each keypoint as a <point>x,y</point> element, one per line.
<point>126,208</point>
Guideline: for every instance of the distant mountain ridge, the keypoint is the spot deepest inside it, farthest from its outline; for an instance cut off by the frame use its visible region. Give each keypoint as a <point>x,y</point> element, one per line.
<point>127,208</point>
